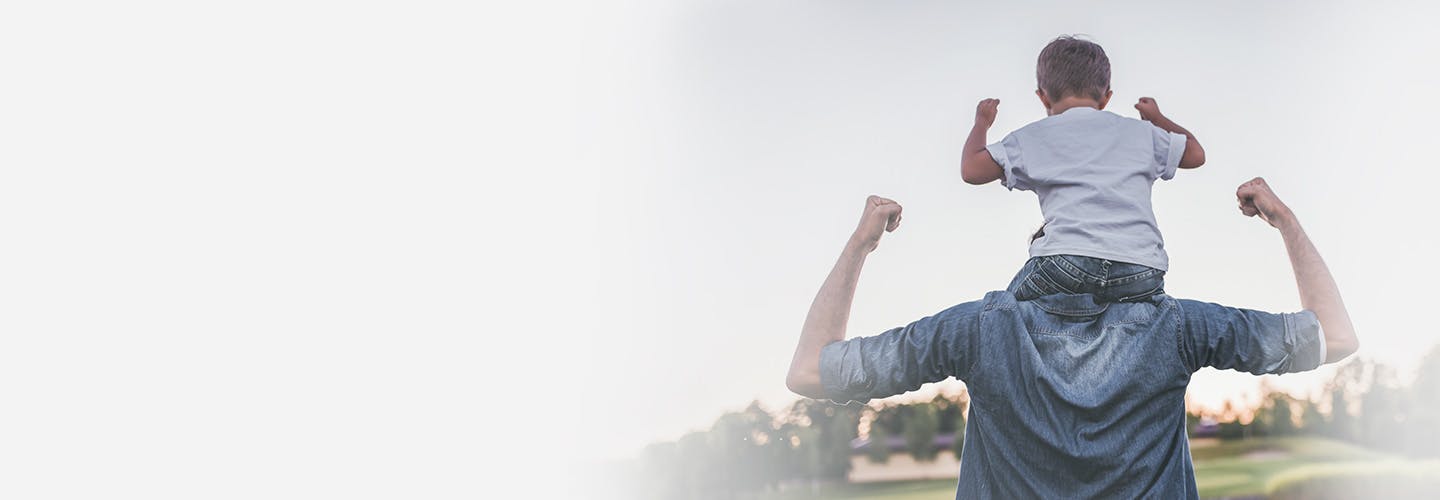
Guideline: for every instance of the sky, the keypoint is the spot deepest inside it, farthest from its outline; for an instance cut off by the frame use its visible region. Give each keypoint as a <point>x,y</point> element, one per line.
<point>319,248</point>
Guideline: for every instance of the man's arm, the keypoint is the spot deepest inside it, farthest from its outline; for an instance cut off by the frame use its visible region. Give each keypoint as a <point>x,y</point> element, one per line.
<point>976,164</point>
<point>829,313</point>
<point>1150,111</point>
<point>1318,292</point>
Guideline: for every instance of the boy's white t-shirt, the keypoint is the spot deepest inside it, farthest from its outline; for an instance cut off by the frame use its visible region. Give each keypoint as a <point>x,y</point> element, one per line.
<point>1093,171</point>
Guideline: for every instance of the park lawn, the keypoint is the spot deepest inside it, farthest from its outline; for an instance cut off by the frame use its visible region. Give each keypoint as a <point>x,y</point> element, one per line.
<point>1229,469</point>
<point>1242,468</point>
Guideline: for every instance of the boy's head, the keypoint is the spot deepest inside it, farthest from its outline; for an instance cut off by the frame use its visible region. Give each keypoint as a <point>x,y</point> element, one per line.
<point>1071,67</point>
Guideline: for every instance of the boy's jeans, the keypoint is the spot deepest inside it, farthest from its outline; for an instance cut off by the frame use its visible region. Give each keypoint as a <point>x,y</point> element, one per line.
<point>1107,280</point>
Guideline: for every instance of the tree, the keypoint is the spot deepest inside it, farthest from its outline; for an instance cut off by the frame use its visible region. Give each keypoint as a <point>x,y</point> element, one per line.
<point>950,413</point>
<point>878,438</point>
<point>1348,384</point>
<point>1425,413</point>
<point>1232,430</point>
<point>747,450</point>
<point>1382,411</point>
<point>1276,416</point>
<point>1310,420</point>
<point>806,459</point>
<point>1341,424</point>
<point>1283,416</point>
<point>696,460</point>
<point>841,430</point>
<point>765,460</point>
<point>835,428</point>
<point>921,424</point>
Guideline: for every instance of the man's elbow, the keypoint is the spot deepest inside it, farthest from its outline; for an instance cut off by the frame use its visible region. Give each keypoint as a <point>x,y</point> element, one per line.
<point>805,384</point>
<point>1337,350</point>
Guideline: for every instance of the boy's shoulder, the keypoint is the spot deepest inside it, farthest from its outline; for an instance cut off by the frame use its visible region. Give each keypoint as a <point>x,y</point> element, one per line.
<point>1081,120</point>
<point>1089,116</point>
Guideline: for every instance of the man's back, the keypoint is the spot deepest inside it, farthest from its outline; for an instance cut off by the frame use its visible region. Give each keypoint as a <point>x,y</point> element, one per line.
<point>1053,381</point>
<point>1071,398</point>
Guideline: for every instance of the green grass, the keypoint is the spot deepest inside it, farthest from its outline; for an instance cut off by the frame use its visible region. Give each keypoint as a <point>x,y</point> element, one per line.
<point>1229,469</point>
<point>1242,468</point>
<point>1394,478</point>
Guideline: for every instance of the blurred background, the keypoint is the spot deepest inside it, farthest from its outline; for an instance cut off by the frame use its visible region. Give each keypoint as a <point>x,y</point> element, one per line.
<point>738,140</point>
<point>563,249</point>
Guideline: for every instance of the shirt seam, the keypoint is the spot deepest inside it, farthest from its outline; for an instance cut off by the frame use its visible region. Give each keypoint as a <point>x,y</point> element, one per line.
<point>1180,337</point>
<point>991,304</point>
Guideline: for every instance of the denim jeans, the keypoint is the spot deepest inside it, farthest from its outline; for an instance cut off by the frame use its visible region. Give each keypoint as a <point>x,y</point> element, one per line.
<point>1107,280</point>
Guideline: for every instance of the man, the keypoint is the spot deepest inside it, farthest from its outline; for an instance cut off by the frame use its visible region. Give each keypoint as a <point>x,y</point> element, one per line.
<point>1070,397</point>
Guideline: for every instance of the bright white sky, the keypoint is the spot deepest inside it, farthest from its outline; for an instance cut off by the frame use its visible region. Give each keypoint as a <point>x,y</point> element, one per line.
<point>321,248</point>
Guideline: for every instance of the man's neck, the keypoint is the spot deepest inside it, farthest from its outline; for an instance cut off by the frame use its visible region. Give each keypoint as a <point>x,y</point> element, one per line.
<point>1073,102</point>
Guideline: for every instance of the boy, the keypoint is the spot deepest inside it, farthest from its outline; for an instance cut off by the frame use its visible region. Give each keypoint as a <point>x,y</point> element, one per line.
<point>1092,171</point>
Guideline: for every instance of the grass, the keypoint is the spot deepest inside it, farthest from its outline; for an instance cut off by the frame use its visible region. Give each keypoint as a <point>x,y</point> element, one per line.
<point>1394,478</point>
<point>1229,469</point>
<point>1242,468</point>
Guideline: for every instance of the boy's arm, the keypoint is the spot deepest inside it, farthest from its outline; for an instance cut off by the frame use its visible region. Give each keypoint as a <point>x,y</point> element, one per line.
<point>976,164</point>
<point>1150,111</point>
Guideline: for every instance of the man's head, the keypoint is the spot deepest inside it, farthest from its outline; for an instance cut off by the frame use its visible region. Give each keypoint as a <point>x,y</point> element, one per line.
<point>1072,68</point>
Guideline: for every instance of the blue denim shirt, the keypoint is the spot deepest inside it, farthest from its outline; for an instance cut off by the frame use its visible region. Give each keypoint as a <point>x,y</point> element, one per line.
<point>1070,398</point>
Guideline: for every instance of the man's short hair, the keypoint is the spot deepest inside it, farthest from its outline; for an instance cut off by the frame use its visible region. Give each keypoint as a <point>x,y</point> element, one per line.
<point>1069,66</point>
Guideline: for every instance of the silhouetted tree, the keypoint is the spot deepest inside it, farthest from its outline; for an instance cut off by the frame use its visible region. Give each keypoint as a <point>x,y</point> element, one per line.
<point>1276,416</point>
<point>922,422</point>
<point>842,429</point>
<point>1382,411</point>
<point>835,427</point>
<point>1348,384</point>
<point>1311,422</point>
<point>1424,418</point>
<point>1340,424</point>
<point>878,448</point>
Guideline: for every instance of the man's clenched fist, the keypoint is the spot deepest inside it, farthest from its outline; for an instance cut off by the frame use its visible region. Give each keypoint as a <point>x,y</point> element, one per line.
<point>881,215</point>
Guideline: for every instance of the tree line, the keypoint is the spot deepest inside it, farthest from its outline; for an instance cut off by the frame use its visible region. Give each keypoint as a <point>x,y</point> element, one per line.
<point>811,442</point>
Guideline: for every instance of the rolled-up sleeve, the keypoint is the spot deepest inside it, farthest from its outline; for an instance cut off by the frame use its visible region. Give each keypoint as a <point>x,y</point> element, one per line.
<point>1251,341</point>
<point>1169,148</point>
<point>1006,153</point>
<point>901,359</point>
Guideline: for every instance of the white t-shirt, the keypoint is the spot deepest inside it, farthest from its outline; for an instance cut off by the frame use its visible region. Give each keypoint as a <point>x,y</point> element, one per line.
<point>1093,171</point>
